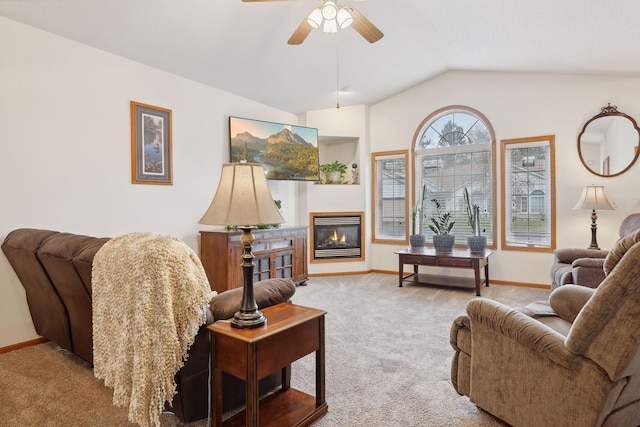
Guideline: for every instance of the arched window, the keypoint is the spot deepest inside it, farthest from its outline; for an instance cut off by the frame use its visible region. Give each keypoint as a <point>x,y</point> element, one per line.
<point>454,149</point>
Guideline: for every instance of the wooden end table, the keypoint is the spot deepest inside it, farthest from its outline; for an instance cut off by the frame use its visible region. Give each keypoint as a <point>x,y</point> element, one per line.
<point>459,258</point>
<point>292,331</point>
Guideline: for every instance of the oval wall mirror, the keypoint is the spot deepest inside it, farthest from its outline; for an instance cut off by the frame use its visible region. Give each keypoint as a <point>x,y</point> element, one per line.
<point>609,142</point>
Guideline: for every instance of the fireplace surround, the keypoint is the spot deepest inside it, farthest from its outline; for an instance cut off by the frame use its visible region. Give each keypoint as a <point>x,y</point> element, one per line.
<point>336,236</point>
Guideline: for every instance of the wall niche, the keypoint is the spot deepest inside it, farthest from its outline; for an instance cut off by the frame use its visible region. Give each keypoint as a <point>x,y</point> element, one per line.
<point>345,150</point>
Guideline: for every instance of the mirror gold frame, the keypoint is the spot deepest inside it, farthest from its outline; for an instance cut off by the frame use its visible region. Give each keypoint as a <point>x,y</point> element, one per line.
<point>608,143</point>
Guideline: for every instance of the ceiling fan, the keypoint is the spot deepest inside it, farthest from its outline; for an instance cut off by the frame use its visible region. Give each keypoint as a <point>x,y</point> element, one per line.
<point>330,16</point>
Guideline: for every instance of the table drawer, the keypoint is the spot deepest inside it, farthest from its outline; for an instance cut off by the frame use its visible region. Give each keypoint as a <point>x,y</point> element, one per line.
<point>455,262</point>
<point>418,259</point>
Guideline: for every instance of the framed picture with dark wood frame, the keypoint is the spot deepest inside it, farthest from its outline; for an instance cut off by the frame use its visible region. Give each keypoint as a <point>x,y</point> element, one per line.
<point>150,144</point>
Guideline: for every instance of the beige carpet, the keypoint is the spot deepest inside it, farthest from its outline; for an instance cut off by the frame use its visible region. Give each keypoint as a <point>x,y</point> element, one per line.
<point>387,353</point>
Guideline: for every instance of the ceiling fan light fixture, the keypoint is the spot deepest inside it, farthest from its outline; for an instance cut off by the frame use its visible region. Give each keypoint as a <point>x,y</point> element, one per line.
<point>344,18</point>
<point>330,17</point>
<point>315,18</point>
<point>330,26</point>
<point>329,10</point>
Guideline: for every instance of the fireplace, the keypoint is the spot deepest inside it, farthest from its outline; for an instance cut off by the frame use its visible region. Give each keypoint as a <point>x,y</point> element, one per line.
<point>336,237</point>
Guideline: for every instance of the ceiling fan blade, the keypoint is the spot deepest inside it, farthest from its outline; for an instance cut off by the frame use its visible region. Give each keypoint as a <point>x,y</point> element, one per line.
<point>363,26</point>
<point>251,1</point>
<point>300,33</point>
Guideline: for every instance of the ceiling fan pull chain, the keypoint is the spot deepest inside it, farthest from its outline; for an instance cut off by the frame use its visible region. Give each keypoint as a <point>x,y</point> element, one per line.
<point>337,77</point>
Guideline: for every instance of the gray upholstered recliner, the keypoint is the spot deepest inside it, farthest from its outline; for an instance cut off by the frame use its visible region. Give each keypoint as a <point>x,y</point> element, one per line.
<point>584,266</point>
<point>573,360</point>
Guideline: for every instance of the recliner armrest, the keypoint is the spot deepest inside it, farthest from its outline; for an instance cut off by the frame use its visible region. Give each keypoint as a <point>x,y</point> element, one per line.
<point>459,323</point>
<point>568,255</point>
<point>568,300</point>
<point>523,329</point>
<point>589,263</point>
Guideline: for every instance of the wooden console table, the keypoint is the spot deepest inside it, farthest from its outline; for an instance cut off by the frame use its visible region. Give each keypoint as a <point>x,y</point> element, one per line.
<point>279,252</point>
<point>459,258</point>
<point>292,331</point>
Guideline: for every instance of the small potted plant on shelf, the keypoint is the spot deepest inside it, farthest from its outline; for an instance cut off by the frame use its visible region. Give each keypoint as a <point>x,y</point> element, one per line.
<point>416,240</point>
<point>324,173</point>
<point>333,172</point>
<point>441,225</point>
<point>477,243</point>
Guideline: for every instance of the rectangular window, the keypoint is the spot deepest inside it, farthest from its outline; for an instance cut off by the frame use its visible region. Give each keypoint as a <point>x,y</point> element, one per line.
<point>528,193</point>
<point>390,203</point>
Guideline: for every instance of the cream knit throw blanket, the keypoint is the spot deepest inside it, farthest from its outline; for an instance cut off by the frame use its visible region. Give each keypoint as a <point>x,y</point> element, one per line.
<point>150,295</point>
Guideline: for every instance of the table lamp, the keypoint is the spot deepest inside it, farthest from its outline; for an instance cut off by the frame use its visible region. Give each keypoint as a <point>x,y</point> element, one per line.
<point>593,198</point>
<point>243,200</point>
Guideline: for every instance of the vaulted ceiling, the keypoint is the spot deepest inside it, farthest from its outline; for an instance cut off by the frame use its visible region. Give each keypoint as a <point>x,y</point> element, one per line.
<point>241,47</point>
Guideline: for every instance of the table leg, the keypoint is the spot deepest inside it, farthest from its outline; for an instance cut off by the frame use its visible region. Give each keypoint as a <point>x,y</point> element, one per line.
<point>476,270</point>
<point>320,370</point>
<point>486,274</point>
<point>401,270</point>
<point>286,377</point>
<point>252,387</point>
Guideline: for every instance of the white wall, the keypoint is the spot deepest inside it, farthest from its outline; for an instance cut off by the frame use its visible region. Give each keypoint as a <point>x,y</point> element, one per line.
<point>341,122</point>
<point>65,149</point>
<point>523,105</point>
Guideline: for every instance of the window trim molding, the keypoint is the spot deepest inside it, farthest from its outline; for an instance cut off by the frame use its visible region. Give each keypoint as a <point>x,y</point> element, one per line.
<point>552,202</point>
<point>374,198</point>
<point>439,112</point>
<point>416,141</point>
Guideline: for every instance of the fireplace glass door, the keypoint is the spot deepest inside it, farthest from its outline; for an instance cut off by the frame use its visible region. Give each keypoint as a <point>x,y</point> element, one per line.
<point>337,237</point>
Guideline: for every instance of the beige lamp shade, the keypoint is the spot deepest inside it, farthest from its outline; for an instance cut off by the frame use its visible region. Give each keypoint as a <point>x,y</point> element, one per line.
<point>593,198</point>
<point>243,198</point>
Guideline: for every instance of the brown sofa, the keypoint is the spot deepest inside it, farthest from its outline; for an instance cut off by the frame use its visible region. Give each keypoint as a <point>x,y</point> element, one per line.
<point>55,270</point>
<point>573,360</point>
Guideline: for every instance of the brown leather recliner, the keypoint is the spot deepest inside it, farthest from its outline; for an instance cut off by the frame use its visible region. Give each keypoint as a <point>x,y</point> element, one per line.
<point>55,270</point>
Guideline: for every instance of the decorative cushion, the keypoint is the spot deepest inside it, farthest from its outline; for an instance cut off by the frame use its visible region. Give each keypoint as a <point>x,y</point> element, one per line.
<point>621,247</point>
<point>266,292</point>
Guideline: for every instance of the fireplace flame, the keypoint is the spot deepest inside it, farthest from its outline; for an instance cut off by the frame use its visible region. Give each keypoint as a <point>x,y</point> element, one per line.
<point>334,237</point>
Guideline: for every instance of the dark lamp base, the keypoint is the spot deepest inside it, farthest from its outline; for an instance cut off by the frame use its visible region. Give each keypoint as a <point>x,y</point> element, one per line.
<point>248,320</point>
<point>248,316</point>
<point>594,230</point>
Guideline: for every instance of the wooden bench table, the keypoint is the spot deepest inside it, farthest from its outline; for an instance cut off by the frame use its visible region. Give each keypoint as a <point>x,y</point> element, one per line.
<point>459,258</point>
